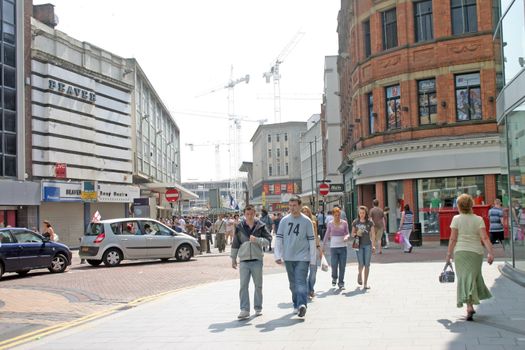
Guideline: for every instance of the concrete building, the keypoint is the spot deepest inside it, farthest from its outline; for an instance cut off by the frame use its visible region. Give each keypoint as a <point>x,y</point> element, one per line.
<point>19,196</point>
<point>276,164</point>
<point>312,161</point>
<point>203,189</point>
<point>418,88</point>
<point>509,40</point>
<point>331,133</point>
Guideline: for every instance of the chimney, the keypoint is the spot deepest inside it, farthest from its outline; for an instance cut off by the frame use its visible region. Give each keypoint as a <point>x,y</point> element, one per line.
<point>45,13</point>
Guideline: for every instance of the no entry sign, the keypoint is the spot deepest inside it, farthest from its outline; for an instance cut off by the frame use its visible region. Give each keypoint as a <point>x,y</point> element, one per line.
<point>172,195</point>
<point>324,189</point>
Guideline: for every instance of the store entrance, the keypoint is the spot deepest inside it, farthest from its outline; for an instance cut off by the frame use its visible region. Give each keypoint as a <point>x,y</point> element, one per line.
<point>7,218</point>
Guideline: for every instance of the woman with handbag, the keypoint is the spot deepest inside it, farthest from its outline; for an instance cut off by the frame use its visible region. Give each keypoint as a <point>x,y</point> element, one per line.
<point>312,273</point>
<point>405,227</point>
<point>363,231</point>
<point>337,234</point>
<point>467,234</point>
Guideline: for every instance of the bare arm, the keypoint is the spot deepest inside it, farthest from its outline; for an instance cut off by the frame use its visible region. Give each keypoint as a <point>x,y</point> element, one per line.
<point>452,243</point>
<point>486,241</point>
<point>373,237</point>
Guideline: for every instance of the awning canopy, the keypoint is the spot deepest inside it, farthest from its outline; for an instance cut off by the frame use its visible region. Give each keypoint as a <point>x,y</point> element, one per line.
<point>162,187</point>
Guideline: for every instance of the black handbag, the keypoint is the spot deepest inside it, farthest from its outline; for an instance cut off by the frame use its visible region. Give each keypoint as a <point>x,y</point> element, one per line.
<point>447,276</point>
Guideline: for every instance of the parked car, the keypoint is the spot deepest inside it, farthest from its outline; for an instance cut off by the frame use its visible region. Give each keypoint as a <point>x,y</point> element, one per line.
<point>111,241</point>
<point>22,250</point>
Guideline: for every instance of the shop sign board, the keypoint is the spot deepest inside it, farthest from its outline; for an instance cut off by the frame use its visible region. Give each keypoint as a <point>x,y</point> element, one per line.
<point>117,193</point>
<point>56,191</point>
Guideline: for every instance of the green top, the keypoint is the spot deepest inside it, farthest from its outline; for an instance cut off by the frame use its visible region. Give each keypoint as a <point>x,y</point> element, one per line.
<point>435,203</point>
<point>469,237</point>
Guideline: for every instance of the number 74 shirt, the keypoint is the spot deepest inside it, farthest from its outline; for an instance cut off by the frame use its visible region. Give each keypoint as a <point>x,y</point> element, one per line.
<point>295,239</point>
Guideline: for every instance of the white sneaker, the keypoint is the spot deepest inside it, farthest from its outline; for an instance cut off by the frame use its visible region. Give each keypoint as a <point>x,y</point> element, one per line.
<point>295,311</point>
<point>244,315</point>
<point>302,311</point>
<point>258,312</point>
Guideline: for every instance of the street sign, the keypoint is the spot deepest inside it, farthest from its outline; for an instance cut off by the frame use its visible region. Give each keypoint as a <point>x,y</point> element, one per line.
<point>324,189</point>
<point>337,188</point>
<point>172,195</point>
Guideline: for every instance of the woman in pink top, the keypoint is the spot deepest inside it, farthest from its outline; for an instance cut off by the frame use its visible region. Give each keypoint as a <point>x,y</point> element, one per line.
<point>337,234</point>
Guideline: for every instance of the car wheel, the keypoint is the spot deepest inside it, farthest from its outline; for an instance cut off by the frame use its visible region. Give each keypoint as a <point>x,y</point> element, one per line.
<point>23,272</point>
<point>94,262</point>
<point>183,253</point>
<point>58,264</point>
<point>112,257</point>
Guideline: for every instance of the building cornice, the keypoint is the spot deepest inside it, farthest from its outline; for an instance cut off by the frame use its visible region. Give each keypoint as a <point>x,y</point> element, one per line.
<point>424,145</point>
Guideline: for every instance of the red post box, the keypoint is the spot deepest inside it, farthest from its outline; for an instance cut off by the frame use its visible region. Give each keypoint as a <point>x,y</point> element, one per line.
<point>445,218</point>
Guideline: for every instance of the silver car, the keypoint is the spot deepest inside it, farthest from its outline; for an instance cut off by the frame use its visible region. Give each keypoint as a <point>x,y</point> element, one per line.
<point>111,241</point>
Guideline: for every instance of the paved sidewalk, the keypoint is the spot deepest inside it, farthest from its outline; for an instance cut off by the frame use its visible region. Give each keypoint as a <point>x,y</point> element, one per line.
<point>406,308</point>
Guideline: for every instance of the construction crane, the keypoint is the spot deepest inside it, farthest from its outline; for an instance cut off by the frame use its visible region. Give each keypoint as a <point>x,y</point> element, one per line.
<point>275,74</point>
<point>235,133</point>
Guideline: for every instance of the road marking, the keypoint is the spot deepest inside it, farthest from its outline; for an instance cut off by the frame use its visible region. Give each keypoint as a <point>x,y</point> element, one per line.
<point>38,334</point>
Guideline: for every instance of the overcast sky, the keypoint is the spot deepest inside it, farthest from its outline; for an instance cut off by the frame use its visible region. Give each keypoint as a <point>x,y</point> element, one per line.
<point>186,49</point>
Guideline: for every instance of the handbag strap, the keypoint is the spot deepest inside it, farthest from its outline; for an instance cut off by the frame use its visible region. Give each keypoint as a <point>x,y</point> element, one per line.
<point>448,264</point>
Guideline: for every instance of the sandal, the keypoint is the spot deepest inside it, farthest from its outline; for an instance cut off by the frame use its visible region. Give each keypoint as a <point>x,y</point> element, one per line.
<point>470,315</point>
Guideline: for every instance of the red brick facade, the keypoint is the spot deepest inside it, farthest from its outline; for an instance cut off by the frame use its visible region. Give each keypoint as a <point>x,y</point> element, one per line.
<point>441,58</point>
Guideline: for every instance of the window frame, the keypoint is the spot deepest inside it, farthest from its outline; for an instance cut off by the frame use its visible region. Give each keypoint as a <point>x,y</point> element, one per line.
<point>427,93</point>
<point>386,29</point>
<point>469,88</point>
<point>464,6</point>
<point>397,111</point>
<point>370,109</point>
<point>421,35</point>
<point>367,38</point>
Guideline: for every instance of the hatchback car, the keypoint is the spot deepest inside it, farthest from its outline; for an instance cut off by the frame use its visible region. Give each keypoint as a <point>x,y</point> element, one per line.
<point>22,250</point>
<point>111,241</point>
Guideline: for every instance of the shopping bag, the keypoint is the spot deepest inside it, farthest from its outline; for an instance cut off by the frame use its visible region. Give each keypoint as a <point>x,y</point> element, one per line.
<point>398,238</point>
<point>324,264</point>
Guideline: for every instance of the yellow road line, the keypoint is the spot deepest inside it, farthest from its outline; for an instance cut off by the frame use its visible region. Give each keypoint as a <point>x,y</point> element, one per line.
<point>35,335</point>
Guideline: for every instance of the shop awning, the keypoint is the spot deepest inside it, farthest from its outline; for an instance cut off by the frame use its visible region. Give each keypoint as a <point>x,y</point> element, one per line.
<point>162,187</point>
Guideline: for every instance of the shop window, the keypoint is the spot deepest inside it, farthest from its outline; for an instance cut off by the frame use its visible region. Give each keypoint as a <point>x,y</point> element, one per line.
<point>423,20</point>
<point>367,38</point>
<point>468,97</point>
<point>393,107</point>
<point>437,193</point>
<point>371,117</point>
<point>427,100</point>
<point>464,16</point>
<point>389,29</point>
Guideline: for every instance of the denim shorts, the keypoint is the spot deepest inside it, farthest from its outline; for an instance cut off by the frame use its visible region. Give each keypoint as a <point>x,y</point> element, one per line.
<point>364,255</point>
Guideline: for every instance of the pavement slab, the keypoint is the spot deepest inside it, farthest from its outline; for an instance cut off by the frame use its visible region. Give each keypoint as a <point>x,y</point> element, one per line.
<point>406,308</point>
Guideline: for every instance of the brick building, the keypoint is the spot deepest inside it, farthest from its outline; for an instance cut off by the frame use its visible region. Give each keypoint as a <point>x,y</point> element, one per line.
<point>418,87</point>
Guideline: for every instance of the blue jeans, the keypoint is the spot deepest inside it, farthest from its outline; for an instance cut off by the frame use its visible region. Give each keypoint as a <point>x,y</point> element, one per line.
<point>297,272</point>
<point>311,278</point>
<point>364,255</point>
<point>255,270</point>
<point>338,257</point>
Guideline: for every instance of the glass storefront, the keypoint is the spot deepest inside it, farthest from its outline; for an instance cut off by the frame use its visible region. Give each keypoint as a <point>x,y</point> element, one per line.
<point>434,194</point>
<point>515,138</point>
<point>395,201</point>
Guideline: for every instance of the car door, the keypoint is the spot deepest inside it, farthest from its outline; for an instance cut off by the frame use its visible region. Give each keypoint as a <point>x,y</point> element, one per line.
<point>9,251</point>
<point>33,252</point>
<point>131,239</point>
<point>160,241</point>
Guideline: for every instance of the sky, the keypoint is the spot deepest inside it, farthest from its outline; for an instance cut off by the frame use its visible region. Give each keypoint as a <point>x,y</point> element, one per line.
<point>187,49</point>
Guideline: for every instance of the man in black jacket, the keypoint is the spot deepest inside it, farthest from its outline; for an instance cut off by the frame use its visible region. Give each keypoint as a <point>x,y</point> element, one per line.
<point>249,239</point>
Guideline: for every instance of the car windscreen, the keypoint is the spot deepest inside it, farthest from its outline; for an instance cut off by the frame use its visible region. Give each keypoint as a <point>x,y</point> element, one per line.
<point>94,229</point>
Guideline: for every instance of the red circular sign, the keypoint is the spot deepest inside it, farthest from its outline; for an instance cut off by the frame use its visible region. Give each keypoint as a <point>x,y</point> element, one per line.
<point>172,195</point>
<point>324,189</point>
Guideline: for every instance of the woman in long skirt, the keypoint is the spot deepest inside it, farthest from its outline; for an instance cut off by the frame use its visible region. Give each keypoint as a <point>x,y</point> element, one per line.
<point>467,233</point>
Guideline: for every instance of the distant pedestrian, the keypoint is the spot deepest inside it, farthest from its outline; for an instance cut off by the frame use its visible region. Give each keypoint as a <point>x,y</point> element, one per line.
<point>337,235</point>
<point>266,219</point>
<point>219,227</point>
<point>496,227</point>
<point>406,225</point>
<point>378,217</point>
<point>312,274</point>
<point>249,238</point>
<point>48,231</point>
<point>363,228</point>
<point>276,221</point>
<point>295,246</point>
<point>386,211</point>
<point>329,217</point>
<point>230,228</point>
<point>468,233</point>
<point>321,228</point>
